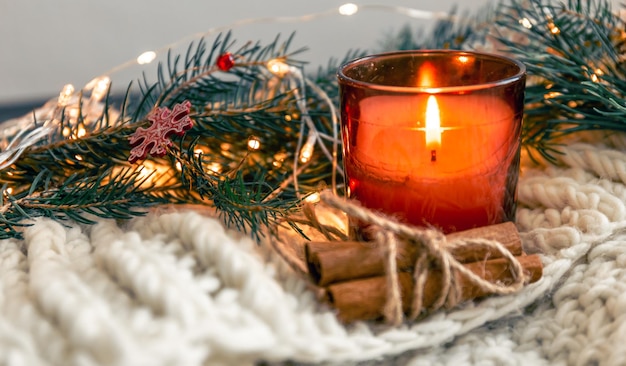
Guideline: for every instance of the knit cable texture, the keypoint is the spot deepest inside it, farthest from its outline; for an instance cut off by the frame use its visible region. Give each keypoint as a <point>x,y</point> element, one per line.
<point>177,288</point>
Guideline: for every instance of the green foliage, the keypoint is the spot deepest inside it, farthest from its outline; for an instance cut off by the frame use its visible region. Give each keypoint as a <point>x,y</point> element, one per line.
<point>82,176</point>
<point>573,53</point>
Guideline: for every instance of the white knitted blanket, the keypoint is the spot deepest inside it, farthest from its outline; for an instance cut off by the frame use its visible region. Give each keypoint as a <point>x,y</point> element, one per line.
<point>176,288</point>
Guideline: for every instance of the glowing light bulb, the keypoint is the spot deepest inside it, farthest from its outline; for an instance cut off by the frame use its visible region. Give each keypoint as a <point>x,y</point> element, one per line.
<point>179,166</point>
<point>553,28</point>
<point>313,198</point>
<point>254,143</point>
<point>279,158</point>
<point>99,86</point>
<point>306,153</point>
<point>81,131</point>
<point>551,95</point>
<point>525,22</point>
<point>348,9</point>
<point>73,113</point>
<point>66,95</point>
<point>278,67</point>
<point>215,167</point>
<point>146,57</point>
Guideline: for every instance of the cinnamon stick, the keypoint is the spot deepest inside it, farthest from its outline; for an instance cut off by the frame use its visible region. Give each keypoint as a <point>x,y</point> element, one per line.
<point>330,262</point>
<point>364,299</point>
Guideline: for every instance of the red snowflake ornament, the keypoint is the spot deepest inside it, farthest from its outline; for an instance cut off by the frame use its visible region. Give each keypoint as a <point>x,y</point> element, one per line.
<point>154,140</point>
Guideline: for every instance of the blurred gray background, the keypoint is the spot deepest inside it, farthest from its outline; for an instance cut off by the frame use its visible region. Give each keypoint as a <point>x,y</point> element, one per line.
<point>47,44</point>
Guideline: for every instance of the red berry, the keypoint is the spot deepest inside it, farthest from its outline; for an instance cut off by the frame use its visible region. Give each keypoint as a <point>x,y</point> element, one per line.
<point>226,61</point>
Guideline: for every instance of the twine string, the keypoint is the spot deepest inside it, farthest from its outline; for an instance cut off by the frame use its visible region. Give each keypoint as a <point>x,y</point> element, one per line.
<point>434,250</point>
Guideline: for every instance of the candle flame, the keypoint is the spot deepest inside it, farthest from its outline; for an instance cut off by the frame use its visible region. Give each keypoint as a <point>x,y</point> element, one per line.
<point>433,124</point>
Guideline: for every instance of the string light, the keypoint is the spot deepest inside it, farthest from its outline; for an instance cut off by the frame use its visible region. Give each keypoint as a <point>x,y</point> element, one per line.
<point>552,95</point>
<point>81,131</point>
<point>254,143</point>
<point>146,57</point>
<point>279,158</point>
<point>73,113</point>
<point>553,28</point>
<point>313,198</point>
<point>215,167</point>
<point>348,9</point>
<point>66,95</point>
<point>306,152</point>
<point>160,174</point>
<point>595,77</point>
<point>198,151</point>
<point>525,22</point>
<point>278,67</point>
<point>99,86</point>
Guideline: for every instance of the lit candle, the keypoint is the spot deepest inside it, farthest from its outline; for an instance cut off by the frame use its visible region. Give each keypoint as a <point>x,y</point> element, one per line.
<point>437,154</point>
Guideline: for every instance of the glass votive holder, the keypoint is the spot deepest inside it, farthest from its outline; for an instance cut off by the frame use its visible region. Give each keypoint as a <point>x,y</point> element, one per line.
<point>433,137</point>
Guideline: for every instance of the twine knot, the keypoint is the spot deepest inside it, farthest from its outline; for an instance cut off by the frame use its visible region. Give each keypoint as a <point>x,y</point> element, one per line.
<point>434,252</point>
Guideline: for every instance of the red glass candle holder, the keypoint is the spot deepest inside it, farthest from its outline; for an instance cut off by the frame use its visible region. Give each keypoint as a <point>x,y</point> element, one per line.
<point>433,137</point>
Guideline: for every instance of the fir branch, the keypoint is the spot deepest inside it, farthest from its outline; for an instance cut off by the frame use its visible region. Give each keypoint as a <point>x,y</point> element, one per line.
<point>241,202</point>
<point>89,155</point>
<point>573,56</point>
<point>116,194</point>
<point>250,188</point>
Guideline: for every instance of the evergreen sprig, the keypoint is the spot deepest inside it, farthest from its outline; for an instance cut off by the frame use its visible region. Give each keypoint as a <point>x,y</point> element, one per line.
<point>76,176</point>
<point>574,55</point>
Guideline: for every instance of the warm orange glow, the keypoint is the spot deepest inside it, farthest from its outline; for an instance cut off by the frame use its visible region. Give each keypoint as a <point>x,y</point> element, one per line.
<point>433,124</point>
<point>426,75</point>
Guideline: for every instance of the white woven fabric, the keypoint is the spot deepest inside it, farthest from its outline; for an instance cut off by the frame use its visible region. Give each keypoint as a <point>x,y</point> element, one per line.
<point>179,289</point>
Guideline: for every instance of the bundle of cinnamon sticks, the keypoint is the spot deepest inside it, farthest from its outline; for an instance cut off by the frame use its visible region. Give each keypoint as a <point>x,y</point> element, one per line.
<point>352,274</point>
